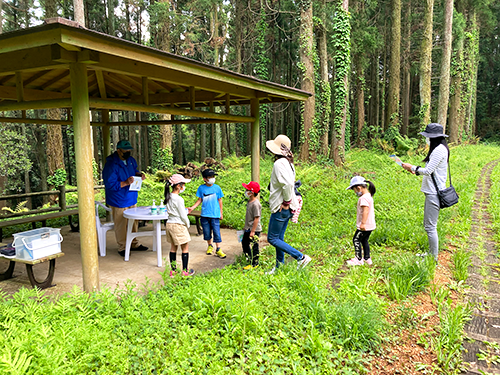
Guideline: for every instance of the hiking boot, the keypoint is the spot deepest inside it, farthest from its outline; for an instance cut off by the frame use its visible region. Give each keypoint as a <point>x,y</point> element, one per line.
<point>210,250</point>
<point>355,262</point>
<point>139,248</point>
<point>368,261</point>
<point>303,262</point>
<point>188,273</point>
<point>220,254</point>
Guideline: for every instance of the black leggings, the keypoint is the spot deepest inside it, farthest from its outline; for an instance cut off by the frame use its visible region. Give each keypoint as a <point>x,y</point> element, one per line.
<point>250,249</point>
<point>361,244</point>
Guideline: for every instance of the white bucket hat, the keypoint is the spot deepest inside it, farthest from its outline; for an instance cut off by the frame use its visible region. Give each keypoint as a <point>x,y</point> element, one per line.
<point>274,145</point>
<point>356,180</point>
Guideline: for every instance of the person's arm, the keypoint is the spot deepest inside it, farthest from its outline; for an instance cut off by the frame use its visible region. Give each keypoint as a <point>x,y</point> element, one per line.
<point>220,205</point>
<point>182,210</point>
<point>110,178</point>
<point>364,217</point>
<point>196,204</point>
<point>436,157</point>
<point>255,224</point>
<point>286,178</point>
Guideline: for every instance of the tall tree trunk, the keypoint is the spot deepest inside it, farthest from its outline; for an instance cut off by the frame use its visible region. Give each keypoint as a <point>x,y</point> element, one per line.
<point>395,66</point>
<point>341,82</point>
<point>426,64</point>
<point>128,35</point>
<point>325,84</point>
<point>444,82</point>
<point>115,132</point>
<point>308,148</point>
<point>456,92</point>
<point>238,33</point>
<point>145,143</point>
<point>383,102</point>
<point>1,30</point>
<point>79,12</point>
<point>27,182</point>
<point>179,145</point>
<point>471,59</point>
<point>406,99</point>
<point>111,17</point>
<point>203,142</point>
<point>166,134</point>
<point>54,149</point>
<point>360,94</point>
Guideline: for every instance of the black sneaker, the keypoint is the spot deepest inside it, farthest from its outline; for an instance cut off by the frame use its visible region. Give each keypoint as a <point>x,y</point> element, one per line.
<point>8,251</point>
<point>121,253</point>
<point>139,248</point>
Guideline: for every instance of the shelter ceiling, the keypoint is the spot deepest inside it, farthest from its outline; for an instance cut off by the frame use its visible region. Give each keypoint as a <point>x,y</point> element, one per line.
<point>119,70</point>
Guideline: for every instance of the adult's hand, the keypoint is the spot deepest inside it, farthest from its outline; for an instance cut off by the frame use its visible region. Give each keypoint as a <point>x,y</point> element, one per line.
<point>143,176</point>
<point>284,207</point>
<point>127,182</point>
<point>408,167</point>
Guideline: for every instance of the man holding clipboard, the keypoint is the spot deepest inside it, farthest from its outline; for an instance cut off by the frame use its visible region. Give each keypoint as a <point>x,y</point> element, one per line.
<point>122,181</point>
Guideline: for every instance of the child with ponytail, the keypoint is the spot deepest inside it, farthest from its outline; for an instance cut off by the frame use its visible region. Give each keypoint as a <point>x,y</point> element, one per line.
<point>177,224</point>
<point>365,220</point>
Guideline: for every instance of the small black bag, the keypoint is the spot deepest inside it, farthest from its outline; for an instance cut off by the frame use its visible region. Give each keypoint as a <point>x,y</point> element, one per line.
<point>448,196</point>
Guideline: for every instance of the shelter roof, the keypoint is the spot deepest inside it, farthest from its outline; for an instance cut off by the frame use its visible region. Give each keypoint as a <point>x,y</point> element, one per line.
<point>35,66</point>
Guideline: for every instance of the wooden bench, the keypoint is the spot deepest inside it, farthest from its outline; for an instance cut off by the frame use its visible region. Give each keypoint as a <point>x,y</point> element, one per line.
<point>197,215</point>
<point>43,218</point>
<point>29,269</point>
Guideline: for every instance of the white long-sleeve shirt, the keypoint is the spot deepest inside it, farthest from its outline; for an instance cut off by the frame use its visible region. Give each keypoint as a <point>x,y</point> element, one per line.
<point>177,210</point>
<point>437,164</point>
<point>282,186</point>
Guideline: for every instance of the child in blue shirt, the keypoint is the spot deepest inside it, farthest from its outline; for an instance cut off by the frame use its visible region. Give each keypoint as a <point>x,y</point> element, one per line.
<point>210,196</point>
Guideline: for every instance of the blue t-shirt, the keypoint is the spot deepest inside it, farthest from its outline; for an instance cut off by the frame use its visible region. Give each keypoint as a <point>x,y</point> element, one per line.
<point>210,196</point>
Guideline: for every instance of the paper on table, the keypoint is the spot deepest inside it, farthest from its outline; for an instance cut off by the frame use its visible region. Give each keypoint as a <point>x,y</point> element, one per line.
<point>136,185</point>
<point>396,160</point>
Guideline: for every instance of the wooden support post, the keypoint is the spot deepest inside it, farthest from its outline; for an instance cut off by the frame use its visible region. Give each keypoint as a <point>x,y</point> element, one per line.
<point>255,139</point>
<point>83,156</point>
<point>192,101</point>
<point>62,197</point>
<point>228,104</point>
<point>106,135</point>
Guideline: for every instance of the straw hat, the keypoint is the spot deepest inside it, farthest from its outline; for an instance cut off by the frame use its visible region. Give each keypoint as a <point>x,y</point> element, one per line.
<point>274,145</point>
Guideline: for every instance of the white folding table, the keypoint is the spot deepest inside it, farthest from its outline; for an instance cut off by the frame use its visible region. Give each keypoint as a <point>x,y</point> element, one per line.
<point>144,213</point>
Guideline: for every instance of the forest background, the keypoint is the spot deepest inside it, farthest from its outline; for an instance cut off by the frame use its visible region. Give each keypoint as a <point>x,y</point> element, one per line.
<point>379,71</point>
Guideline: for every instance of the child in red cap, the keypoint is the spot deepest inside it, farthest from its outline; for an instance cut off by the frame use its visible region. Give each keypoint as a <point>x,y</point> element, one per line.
<point>250,242</point>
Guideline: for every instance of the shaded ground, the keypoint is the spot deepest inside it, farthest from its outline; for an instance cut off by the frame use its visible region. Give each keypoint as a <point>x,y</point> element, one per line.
<point>113,270</point>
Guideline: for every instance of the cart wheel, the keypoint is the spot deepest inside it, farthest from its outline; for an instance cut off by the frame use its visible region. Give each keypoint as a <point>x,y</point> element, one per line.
<point>75,227</point>
<point>48,280</point>
<point>8,273</point>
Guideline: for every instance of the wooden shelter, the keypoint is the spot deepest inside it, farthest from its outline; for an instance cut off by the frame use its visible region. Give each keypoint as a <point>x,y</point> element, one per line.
<point>63,65</point>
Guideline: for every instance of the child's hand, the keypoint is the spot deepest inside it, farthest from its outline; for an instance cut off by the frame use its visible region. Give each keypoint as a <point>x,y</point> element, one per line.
<point>221,216</point>
<point>189,209</point>
<point>362,227</point>
<point>252,234</point>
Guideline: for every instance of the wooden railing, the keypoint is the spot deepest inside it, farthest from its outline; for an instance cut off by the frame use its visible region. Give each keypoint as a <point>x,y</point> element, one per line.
<point>61,192</point>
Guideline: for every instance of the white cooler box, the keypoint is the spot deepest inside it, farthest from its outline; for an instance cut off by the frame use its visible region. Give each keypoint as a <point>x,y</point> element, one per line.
<point>37,243</point>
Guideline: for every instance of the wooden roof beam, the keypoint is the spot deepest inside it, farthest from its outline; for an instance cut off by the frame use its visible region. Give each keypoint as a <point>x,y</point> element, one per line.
<point>56,79</point>
<point>36,76</point>
<point>35,104</point>
<point>10,93</point>
<point>101,83</point>
<point>107,104</point>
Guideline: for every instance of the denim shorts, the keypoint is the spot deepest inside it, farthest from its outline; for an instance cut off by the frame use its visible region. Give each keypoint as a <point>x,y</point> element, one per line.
<point>210,225</point>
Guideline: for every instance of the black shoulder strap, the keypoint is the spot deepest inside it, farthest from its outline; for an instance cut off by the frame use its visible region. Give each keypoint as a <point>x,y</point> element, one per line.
<point>434,180</point>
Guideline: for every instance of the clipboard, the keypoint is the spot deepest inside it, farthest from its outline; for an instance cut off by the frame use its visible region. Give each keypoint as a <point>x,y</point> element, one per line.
<point>136,185</point>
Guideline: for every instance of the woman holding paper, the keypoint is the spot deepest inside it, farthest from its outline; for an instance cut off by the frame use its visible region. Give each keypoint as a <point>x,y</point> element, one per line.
<point>436,166</point>
<point>118,174</point>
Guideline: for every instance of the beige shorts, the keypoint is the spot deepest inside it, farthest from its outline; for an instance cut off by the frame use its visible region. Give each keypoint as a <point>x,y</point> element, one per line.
<point>177,234</point>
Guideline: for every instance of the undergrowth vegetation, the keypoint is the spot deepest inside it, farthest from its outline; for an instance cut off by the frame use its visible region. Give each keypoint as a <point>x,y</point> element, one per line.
<point>326,319</point>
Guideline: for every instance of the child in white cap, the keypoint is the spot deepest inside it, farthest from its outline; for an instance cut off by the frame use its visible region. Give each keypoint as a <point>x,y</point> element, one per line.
<point>365,220</point>
<point>177,224</point>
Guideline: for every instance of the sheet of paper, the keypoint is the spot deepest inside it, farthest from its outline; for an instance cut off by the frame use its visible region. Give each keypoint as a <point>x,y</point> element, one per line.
<point>396,160</point>
<point>136,185</point>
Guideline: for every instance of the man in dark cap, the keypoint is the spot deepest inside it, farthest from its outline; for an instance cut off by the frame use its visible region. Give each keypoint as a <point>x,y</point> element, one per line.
<point>118,174</point>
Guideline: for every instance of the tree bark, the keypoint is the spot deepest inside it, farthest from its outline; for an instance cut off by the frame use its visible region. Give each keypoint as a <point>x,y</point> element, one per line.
<point>456,92</point>
<point>395,66</point>
<point>444,82</point>
<point>471,59</point>
<point>406,99</point>
<point>307,150</point>
<point>111,17</point>
<point>325,84</point>
<point>203,142</point>
<point>426,64</point>
<point>166,133</point>
<point>79,12</point>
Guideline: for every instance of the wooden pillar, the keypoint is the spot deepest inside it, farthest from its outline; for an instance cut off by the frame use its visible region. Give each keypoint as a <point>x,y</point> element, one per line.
<point>85,184</point>
<point>255,141</point>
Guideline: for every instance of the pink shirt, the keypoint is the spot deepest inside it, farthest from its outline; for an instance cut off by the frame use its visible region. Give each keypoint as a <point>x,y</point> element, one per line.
<point>366,200</point>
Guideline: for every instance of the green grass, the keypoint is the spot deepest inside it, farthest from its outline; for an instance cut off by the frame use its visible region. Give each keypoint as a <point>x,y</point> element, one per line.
<point>231,322</point>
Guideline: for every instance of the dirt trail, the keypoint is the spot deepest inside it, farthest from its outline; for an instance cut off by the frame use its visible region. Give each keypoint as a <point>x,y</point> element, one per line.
<point>483,330</point>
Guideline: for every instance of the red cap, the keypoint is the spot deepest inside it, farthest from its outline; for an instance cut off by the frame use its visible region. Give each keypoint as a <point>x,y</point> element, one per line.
<point>252,186</point>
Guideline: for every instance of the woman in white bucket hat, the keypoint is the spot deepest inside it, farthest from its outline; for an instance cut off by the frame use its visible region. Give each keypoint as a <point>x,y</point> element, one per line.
<point>282,201</point>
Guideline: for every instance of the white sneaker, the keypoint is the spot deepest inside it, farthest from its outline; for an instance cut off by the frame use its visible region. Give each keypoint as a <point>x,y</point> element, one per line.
<point>272,272</point>
<point>369,261</point>
<point>303,262</point>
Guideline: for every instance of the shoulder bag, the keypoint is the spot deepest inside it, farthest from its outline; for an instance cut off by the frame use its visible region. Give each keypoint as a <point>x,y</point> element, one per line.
<point>448,196</point>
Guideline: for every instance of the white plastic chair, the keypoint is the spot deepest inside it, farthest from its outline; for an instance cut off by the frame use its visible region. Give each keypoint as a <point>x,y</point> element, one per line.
<point>102,228</point>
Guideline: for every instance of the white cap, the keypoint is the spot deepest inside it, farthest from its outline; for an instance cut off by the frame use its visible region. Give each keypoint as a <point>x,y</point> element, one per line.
<point>356,180</point>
